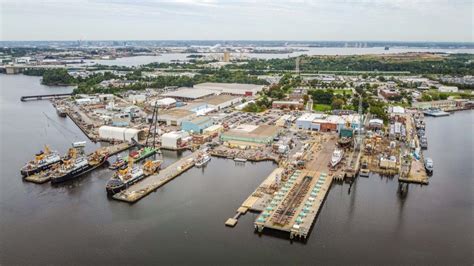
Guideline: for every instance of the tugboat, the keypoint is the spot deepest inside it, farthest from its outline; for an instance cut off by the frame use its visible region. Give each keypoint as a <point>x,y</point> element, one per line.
<point>61,111</point>
<point>202,159</point>
<point>429,166</point>
<point>364,170</point>
<point>43,161</point>
<point>131,174</point>
<point>75,165</point>
<point>336,157</point>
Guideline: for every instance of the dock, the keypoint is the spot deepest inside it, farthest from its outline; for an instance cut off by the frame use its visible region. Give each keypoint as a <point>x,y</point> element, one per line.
<point>296,205</point>
<point>45,97</point>
<point>43,177</point>
<point>415,174</point>
<point>141,189</point>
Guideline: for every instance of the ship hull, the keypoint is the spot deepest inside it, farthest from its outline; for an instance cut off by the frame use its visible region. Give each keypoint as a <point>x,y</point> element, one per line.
<point>37,170</point>
<point>77,172</point>
<point>117,189</point>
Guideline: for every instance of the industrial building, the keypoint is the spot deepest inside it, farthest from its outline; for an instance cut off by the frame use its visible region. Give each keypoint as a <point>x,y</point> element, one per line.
<point>448,89</point>
<point>120,133</point>
<point>288,105</point>
<point>165,103</point>
<point>218,102</point>
<point>231,88</point>
<point>175,116</point>
<point>251,134</point>
<point>196,125</point>
<point>214,129</point>
<point>322,122</point>
<point>188,94</point>
<point>174,140</point>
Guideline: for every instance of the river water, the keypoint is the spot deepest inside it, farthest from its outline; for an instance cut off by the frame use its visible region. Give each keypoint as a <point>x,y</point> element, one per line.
<point>183,222</point>
<point>168,57</point>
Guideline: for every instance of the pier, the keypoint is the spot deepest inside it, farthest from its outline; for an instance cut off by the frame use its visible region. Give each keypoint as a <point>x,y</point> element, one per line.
<point>43,177</point>
<point>44,97</point>
<point>139,190</point>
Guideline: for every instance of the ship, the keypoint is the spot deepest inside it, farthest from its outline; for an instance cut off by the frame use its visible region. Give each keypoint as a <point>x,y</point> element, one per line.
<point>364,170</point>
<point>344,141</point>
<point>429,166</point>
<point>202,159</point>
<point>61,111</point>
<point>336,157</point>
<point>137,156</point>
<point>44,160</point>
<point>75,165</point>
<point>424,142</point>
<point>131,174</point>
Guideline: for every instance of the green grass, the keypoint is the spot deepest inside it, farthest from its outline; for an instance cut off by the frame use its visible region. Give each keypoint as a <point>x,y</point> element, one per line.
<point>322,107</point>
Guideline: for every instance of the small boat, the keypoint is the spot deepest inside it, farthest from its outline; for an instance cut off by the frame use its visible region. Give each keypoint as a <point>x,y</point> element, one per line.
<point>242,160</point>
<point>429,166</point>
<point>130,175</point>
<point>336,157</point>
<point>202,159</point>
<point>61,111</point>
<point>43,161</point>
<point>424,142</point>
<point>364,170</point>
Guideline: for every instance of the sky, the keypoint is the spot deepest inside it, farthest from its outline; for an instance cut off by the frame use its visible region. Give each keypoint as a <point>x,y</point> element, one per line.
<point>319,20</point>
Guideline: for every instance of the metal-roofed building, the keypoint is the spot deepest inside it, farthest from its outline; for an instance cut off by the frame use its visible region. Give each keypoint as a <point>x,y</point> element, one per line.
<point>187,94</point>
<point>262,134</point>
<point>231,88</point>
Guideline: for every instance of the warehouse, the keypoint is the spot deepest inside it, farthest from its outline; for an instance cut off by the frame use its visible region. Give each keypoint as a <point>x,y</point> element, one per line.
<point>214,129</point>
<point>189,94</point>
<point>120,133</point>
<point>306,121</point>
<point>231,88</point>
<point>218,102</point>
<point>251,134</point>
<point>174,140</point>
<point>296,105</point>
<point>165,103</point>
<point>175,116</point>
<point>196,125</point>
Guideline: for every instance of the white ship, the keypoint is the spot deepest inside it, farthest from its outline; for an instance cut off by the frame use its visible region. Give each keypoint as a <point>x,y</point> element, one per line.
<point>202,160</point>
<point>336,157</point>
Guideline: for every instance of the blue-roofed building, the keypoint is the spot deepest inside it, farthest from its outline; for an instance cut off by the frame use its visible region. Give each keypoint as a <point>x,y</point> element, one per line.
<point>196,125</point>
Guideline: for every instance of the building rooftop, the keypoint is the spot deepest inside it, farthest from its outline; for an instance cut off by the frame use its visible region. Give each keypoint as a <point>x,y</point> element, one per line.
<point>175,113</point>
<point>189,93</point>
<point>218,99</point>
<point>237,86</point>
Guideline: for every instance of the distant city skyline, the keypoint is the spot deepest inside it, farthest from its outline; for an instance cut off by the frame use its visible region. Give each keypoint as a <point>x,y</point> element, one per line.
<point>324,20</point>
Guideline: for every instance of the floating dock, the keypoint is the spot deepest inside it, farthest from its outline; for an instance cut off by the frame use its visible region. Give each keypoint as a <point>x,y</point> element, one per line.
<point>43,177</point>
<point>139,190</point>
<point>295,206</point>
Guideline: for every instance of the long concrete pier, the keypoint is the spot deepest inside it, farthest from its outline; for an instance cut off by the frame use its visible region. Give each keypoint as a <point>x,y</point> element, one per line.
<point>45,96</point>
<point>139,190</point>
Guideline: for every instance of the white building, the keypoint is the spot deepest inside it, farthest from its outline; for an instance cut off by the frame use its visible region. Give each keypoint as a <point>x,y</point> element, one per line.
<point>448,89</point>
<point>120,133</point>
<point>165,102</point>
<point>174,140</point>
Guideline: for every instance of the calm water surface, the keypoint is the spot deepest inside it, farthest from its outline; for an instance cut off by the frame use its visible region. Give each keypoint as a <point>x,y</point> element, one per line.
<point>168,57</point>
<point>183,222</point>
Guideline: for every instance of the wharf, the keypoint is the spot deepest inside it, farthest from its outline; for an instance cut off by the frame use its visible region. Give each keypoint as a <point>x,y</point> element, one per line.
<point>139,190</point>
<point>416,173</point>
<point>44,177</point>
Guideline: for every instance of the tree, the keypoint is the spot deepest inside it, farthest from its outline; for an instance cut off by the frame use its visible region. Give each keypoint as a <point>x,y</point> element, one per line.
<point>337,103</point>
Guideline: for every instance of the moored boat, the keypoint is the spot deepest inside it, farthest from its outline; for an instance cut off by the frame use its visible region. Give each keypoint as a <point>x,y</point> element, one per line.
<point>43,161</point>
<point>131,174</point>
<point>202,159</point>
<point>336,157</point>
<point>429,166</point>
<point>75,165</point>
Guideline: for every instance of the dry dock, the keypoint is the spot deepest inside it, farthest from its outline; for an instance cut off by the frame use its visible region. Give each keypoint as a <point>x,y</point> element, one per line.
<point>139,190</point>
<point>296,205</point>
<point>44,177</point>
